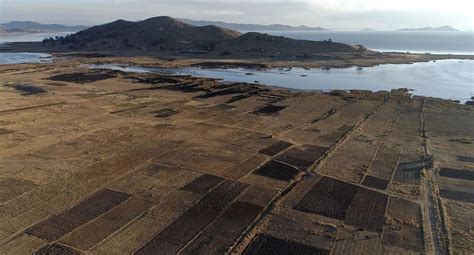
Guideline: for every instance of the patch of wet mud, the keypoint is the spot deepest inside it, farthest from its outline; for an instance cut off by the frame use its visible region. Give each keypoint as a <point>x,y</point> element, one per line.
<point>224,65</point>
<point>157,80</point>
<point>82,77</point>
<point>28,90</point>
<point>270,109</point>
<point>230,90</point>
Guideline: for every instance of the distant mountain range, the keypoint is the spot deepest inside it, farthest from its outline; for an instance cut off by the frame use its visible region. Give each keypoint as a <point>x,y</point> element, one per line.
<point>30,27</point>
<point>430,29</point>
<point>251,27</point>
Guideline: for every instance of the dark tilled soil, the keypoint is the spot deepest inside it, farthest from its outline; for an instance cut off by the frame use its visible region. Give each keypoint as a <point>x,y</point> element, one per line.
<point>275,148</point>
<point>329,197</point>
<point>457,195</point>
<point>56,249</point>
<point>277,170</point>
<point>203,184</point>
<point>374,182</point>
<point>82,77</point>
<point>268,245</point>
<point>65,222</point>
<point>456,173</point>
<point>29,89</point>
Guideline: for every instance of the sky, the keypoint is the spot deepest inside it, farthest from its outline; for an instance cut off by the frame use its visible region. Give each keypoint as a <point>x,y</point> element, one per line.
<point>333,14</point>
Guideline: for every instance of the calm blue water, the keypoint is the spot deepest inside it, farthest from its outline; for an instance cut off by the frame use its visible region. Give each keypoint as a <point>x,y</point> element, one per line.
<point>24,57</point>
<point>448,79</point>
<point>28,37</point>
<point>416,42</point>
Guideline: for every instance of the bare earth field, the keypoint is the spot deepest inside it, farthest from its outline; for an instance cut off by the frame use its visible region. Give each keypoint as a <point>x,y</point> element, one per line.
<point>104,162</point>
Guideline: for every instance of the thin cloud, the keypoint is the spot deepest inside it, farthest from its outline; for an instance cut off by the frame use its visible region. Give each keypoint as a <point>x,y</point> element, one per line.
<point>335,14</point>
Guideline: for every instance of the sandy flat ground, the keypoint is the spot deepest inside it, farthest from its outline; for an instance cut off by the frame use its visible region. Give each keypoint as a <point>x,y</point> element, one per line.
<point>103,162</point>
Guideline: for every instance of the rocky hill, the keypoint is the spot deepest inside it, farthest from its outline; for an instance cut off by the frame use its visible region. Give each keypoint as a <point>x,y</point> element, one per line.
<point>171,36</point>
<point>163,33</point>
<point>265,45</point>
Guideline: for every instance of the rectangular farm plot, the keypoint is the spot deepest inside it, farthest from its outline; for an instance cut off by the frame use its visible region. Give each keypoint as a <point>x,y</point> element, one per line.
<point>343,201</point>
<point>277,170</point>
<point>180,232</point>
<point>336,135</point>
<point>457,195</point>
<point>384,163</point>
<point>303,158</point>
<point>225,230</point>
<point>203,184</point>
<point>235,219</point>
<point>246,167</point>
<point>103,226</point>
<point>329,197</point>
<point>187,226</point>
<point>269,245</point>
<point>56,249</point>
<point>409,171</point>
<point>12,188</point>
<point>275,148</point>
<point>59,225</point>
<point>207,243</point>
<point>367,210</point>
<point>221,196</point>
<point>374,182</point>
<point>270,109</point>
<point>403,225</point>
<point>357,242</point>
<point>457,173</point>
<point>466,159</point>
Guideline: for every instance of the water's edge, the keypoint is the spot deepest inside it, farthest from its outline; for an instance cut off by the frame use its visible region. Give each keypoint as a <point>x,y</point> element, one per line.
<point>446,79</point>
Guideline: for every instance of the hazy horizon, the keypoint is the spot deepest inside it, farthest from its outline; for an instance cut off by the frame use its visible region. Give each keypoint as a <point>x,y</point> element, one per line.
<point>332,14</point>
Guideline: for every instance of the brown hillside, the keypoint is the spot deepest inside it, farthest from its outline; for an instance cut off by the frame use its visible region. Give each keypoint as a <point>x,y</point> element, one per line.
<point>160,32</point>
<point>256,42</point>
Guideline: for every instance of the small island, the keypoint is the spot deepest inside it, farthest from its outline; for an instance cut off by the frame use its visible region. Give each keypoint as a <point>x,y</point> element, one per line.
<point>430,29</point>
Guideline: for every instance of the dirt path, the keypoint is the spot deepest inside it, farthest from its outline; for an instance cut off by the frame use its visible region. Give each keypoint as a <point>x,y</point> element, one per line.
<point>438,234</point>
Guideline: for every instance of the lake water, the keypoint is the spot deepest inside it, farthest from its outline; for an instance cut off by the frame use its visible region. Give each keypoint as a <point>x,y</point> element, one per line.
<point>448,79</point>
<point>28,37</point>
<point>24,57</point>
<point>416,42</point>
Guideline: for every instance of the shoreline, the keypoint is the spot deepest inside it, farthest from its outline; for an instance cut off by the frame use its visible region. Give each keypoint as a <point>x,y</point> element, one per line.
<point>147,62</point>
<point>214,60</point>
<point>82,63</point>
<point>249,63</point>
